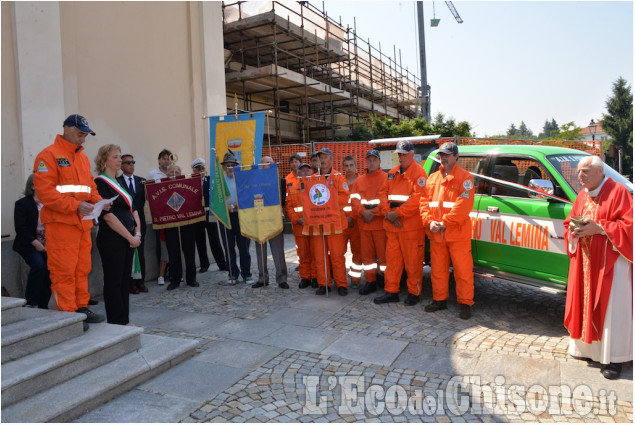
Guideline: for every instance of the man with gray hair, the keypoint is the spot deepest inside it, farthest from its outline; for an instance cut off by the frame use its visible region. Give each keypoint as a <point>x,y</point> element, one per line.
<point>599,240</point>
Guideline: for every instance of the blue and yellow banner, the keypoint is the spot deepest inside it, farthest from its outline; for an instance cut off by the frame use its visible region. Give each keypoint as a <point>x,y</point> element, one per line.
<point>259,209</point>
<point>241,133</point>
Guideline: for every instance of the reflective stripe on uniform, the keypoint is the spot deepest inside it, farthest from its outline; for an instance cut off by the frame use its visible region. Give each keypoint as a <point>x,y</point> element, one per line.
<point>370,201</point>
<point>369,266</point>
<point>348,208</point>
<point>398,198</point>
<point>73,188</point>
<point>382,268</point>
<point>433,204</point>
<point>448,204</point>
<point>351,273</point>
<point>355,196</point>
<point>298,209</point>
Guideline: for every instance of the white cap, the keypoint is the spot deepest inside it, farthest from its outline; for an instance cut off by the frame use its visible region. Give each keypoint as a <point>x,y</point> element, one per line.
<point>198,161</point>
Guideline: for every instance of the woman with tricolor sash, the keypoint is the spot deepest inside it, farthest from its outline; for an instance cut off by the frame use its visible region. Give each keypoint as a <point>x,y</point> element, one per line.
<point>118,236</point>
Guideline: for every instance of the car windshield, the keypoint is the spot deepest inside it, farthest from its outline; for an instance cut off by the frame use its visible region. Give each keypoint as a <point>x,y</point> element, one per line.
<point>567,166</point>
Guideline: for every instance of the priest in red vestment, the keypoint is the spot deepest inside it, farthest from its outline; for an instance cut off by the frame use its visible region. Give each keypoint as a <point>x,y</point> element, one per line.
<point>599,240</point>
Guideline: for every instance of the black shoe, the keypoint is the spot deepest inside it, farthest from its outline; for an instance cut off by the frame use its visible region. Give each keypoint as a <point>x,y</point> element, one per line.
<point>194,284</point>
<point>387,298</point>
<point>321,290</point>
<point>314,283</point>
<point>466,312</point>
<point>612,370</point>
<point>342,291</point>
<point>304,283</point>
<point>368,288</point>
<point>411,299</point>
<point>90,316</point>
<point>86,326</point>
<point>203,269</point>
<point>435,306</point>
<point>283,285</point>
<point>172,286</point>
<point>92,302</point>
<point>259,285</point>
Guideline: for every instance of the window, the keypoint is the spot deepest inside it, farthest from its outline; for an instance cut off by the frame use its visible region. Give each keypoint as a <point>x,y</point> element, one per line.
<point>516,170</point>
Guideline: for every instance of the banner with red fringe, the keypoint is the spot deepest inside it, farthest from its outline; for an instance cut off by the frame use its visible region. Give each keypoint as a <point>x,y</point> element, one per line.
<point>320,206</point>
<point>175,201</point>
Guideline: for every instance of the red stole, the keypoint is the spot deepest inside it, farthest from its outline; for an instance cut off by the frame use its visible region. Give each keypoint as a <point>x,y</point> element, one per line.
<point>592,265</point>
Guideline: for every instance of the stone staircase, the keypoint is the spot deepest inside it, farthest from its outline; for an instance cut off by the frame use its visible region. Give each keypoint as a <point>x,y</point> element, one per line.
<point>53,371</point>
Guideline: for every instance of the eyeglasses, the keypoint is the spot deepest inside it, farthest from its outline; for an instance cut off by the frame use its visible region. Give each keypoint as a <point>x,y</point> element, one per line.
<point>130,162</point>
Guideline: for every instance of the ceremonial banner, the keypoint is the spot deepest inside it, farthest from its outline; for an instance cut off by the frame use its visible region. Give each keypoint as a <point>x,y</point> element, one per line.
<point>259,209</point>
<point>241,133</point>
<point>320,206</point>
<point>175,202</point>
<point>218,194</point>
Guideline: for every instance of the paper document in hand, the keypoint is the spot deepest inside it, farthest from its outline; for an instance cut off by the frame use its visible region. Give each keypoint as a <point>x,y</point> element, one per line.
<point>98,207</point>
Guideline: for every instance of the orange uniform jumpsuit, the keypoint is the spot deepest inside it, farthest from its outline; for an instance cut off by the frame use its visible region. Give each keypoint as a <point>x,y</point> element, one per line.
<point>352,235</point>
<point>63,180</point>
<point>335,248</point>
<point>372,234</point>
<point>404,245</point>
<point>293,210</point>
<point>450,200</point>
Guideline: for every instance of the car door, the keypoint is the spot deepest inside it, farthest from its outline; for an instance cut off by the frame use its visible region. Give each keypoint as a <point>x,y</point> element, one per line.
<point>517,233</point>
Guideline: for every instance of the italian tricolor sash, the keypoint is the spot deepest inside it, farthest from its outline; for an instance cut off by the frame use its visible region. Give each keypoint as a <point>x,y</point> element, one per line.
<point>117,187</point>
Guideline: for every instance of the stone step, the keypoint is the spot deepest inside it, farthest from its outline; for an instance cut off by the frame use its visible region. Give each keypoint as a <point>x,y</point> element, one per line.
<point>37,330</point>
<point>90,390</point>
<point>58,363</point>
<point>12,309</point>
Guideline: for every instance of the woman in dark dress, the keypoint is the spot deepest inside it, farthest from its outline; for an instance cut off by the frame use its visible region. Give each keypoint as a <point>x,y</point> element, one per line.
<point>118,235</point>
<point>30,243</point>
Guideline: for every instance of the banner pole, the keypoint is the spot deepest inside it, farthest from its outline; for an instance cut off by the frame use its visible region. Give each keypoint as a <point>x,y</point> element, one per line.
<point>328,278</point>
<point>227,256</point>
<point>262,261</point>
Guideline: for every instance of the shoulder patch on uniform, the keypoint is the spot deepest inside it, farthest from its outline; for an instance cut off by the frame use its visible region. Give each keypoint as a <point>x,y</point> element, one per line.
<point>467,184</point>
<point>41,167</point>
<point>421,181</point>
<point>289,184</point>
<point>345,185</point>
<point>466,194</point>
<point>62,161</point>
<point>391,176</point>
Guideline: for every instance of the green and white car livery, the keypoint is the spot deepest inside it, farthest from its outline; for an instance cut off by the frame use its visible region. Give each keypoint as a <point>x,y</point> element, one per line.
<point>523,194</point>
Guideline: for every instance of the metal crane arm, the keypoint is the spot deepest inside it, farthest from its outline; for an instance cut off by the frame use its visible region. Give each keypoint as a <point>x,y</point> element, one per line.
<point>454,12</point>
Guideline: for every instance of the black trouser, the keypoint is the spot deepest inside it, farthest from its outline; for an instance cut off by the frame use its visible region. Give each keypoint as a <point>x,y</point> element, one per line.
<point>214,243</point>
<point>235,239</point>
<point>116,259</point>
<point>38,284</point>
<point>201,244</point>
<point>187,243</point>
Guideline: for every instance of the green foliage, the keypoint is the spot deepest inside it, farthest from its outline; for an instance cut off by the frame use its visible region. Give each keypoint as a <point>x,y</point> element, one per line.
<point>522,132</point>
<point>386,128</point>
<point>618,123</point>
<point>568,131</point>
<point>549,129</point>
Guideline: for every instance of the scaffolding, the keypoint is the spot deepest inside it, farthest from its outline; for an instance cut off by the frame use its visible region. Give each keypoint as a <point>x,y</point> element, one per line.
<point>314,76</point>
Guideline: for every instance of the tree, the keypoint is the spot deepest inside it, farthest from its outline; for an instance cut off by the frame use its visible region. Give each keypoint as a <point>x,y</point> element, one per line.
<point>548,129</point>
<point>568,131</point>
<point>512,131</point>
<point>618,123</point>
<point>524,131</point>
<point>386,128</point>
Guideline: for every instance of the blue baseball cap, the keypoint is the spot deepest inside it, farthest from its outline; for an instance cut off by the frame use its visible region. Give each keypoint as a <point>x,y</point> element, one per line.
<point>326,151</point>
<point>450,148</point>
<point>404,147</point>
<point>78,121</point>
<point>372,152</point>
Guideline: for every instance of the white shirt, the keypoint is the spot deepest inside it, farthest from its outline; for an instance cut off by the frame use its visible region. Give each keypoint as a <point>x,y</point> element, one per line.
<point>156,174</point>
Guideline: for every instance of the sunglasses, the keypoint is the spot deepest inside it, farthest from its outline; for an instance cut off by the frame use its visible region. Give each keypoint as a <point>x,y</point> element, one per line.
<point>130,162</point>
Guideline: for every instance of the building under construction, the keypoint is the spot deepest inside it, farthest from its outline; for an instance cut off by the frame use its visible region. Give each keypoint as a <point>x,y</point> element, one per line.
<point>314,76</point>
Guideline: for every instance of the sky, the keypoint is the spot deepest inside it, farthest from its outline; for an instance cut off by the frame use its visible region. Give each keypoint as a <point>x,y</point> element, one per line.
<point>509,61</point>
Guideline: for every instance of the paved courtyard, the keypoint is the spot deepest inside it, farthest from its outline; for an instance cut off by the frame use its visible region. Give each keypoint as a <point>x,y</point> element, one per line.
<point>274,355</point>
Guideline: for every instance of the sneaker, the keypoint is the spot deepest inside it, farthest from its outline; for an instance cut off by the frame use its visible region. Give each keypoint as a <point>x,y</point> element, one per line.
<point>230,282</point>
<point>387,298</point>
<point>368,288</point>
<point>161,280</point>
<point>411,300</point>
<point>466,312</point>
<point>249,280</point>
<point>436,306</point>
<point>90,316</point>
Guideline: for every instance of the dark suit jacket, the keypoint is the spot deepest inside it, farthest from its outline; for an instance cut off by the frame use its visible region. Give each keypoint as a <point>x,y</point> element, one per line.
<point>25,217</point>
<point>139,199</point>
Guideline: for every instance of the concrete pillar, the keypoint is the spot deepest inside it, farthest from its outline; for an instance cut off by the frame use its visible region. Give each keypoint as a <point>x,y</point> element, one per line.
<point>38,53</point>
<point>213,58</point>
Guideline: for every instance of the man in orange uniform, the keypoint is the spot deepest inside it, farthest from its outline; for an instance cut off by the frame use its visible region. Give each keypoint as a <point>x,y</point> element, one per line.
<point>334,245</point>
<point>405,239</point>
<point>365,200</point>
<point>292,177</point>
<point>351,233</point>
<point>293,210</point>
<point>445,210</point>
<point>66,188</point>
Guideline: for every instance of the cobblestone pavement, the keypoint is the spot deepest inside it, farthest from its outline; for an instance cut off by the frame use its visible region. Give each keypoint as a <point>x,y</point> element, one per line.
<point>438,369</point>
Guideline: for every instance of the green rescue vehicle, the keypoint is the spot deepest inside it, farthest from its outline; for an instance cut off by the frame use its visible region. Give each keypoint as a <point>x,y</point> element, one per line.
<point>518,234</point>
